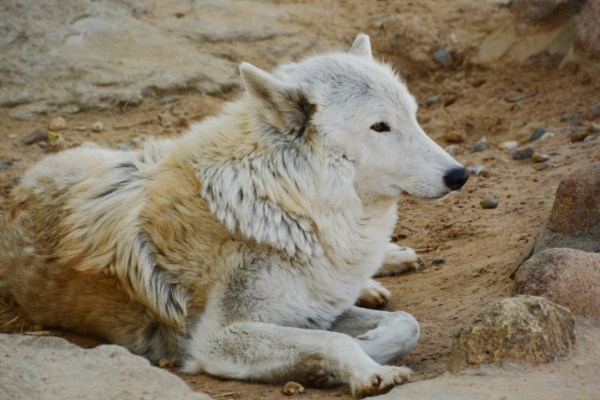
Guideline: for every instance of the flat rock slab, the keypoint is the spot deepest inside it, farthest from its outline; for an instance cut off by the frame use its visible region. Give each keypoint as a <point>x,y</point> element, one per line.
<point>50,368</point>
<point>71,55</point>
<point>574,377</point>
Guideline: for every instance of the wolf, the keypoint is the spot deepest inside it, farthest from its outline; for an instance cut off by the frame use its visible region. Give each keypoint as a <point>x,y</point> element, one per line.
<point>241,246</point>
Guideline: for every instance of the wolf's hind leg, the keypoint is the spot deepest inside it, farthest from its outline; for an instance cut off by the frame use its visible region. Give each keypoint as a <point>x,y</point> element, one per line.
<point>382,335</point>
<point>268,352</point>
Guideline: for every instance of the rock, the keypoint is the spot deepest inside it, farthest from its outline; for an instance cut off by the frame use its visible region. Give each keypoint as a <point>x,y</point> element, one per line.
<point>97,126</point>
<point>480,145</point>
<point>511,144</point>
<point>539,158</point>
<point>489,203</point>
<point>526,329</point>
<point>293,389</point>
<point>454,137</point>
<point>538,10</point>
<point>433,99</point>
<point>569,117</point>
<point>444,58</point>
<point>16,180</point>
<point>453,149</point>
<point>57,124</point>
<point>5,164</point>
<point>537,133</point>
<point>587,33</point>
<point>65,371</point>
<point>438,260</point>
<point>35,137</point>
<point>578,135</point>
<point>13,136</point>
<point>574,220</point>
<point>594,128</point>
<point>43,144</point>
<point>522,153</point>
<point>567,277</point>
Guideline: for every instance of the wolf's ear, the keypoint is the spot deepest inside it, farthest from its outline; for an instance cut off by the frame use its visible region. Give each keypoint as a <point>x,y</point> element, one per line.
<point>361,46</point>
<point>287,107</point>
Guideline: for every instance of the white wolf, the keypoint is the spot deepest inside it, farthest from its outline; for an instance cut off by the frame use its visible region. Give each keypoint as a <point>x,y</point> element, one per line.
<point>242,245</point>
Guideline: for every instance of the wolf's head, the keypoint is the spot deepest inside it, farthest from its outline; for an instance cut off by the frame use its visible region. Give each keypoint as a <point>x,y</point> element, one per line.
<point>362,111</point>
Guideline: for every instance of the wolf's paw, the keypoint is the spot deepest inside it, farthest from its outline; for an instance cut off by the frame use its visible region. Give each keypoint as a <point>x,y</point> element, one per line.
<point>380,381</point>
<point>373,295</point>
<point>399,260</point>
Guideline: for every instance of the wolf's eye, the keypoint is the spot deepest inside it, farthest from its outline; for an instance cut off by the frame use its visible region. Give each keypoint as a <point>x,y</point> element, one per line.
<point>380,127</point>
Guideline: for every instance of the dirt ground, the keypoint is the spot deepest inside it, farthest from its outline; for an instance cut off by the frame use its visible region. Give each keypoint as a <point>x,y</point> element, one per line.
<point>481,247</point>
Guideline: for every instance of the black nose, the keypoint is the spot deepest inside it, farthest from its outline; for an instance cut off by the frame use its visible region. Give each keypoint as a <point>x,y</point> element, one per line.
<point>456,178</point>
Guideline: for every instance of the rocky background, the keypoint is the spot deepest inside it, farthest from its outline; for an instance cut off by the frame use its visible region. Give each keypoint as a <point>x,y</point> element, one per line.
<point>508,300</point>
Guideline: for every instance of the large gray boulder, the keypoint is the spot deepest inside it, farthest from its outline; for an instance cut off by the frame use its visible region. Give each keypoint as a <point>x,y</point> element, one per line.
<point>50,368</point>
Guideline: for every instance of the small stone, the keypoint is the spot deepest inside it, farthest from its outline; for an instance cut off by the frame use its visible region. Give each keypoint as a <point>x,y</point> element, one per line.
<point>539,158</point>
<point>5,164</point>
<point>453,149</point>
<point>293,389</point>
<point>43,144</point>
<point>547,135</point>
<point>35,137</point>
<point>595,128</point>
<point>509,145</point>
<point>433,99</point>
<point>578,136</point>
<point>480,145</point>
<point>523,328</point>
<point>98,126</point>
<point>522,153</point>
<point>537,133</point>
<point>438,260</point>
<point>540,167</point>
<point>489,203</point>
<point>569,117</point>
<point>16,180</point>
<point>13,136</point>
<point>568,277</point>
<point>57,124</point>
<point>444,58</point>
<point>454,137</point>
<point>124,147</point>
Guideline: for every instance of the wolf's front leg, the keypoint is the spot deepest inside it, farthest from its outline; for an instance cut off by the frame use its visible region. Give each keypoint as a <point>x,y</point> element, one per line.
<point>268,352</point>
<point>398,260</point>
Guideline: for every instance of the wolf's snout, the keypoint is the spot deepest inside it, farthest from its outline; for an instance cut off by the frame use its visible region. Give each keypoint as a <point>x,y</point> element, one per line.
<point>456,178</point>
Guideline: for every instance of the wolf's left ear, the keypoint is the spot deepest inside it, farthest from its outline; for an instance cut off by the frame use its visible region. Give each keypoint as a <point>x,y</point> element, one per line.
<point>361,46</point>
<point>286,106</point>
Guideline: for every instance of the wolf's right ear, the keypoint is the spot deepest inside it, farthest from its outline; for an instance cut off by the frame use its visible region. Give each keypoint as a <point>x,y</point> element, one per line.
<point>286,106</point>
<point>361,46</point>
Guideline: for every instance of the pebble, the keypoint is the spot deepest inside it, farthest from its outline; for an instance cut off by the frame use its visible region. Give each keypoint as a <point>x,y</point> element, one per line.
<point>5,164</point>
<point>124,147</point>
<point>595,128</point>
<point>293,388</point>
<point>480,145</point>
<point>438,260</point>
<point>489,203</point>
<point>522,153</point>
<point>444,58</point>
<point>569,117</point>
<point>98,126</point>
<point>57,124</point>
<point>453,149</point>
<point>539,157</point>
<point>16,180</point>
<point>454,137</point>
<point>433,99</point>
<point>43,144</point>
<point>511,144</point>
<point>537,133</point>
<point>35,137</point>
<point>12,136</point>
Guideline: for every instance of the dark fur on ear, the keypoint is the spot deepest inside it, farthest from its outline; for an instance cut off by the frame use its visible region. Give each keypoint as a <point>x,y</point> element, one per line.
<point>286,107</point>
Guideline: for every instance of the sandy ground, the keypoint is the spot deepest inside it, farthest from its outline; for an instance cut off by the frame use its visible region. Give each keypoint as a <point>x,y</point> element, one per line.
<point>481,247</point>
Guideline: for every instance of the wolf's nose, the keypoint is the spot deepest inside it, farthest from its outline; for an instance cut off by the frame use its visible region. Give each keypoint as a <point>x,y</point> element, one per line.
<point>456,178</point>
